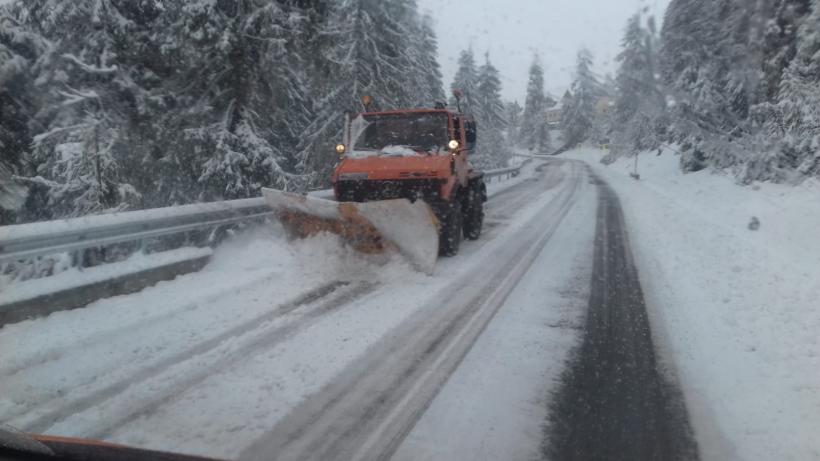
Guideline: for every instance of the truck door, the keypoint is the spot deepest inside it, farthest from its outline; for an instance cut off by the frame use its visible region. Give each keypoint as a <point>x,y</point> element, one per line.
<point>460,159</point>
<point>470,136</point>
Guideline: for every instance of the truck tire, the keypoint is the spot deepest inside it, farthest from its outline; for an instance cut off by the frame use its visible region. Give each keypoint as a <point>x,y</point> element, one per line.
<point>474,214</point>
<point>451,228</point>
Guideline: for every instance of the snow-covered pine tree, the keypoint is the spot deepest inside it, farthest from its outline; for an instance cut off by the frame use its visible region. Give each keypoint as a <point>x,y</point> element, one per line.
<point>514,117</point>
<point>579,116</point>
<point>416,54</point>
<point>428,63</point>
<point>794,118</point>
<point>780,20</point>
<point>694,65</point>
<point>466,80</point>
<point>403,47</point>
<point>534,129</point>
<point>93,94</point>
<point>19,50</point>
<point>639,103</point>
<point>239,97</point>
<point>205,100</point>
<point>602,121</point>
<point>492,149</point>
<point>368,52</point>
<point>726,64</point>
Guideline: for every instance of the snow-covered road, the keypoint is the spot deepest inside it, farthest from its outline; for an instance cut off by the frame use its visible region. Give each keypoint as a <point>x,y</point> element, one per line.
<point>306,350</point>
<point>366,411</point>
<point>535,341</point>
<point>734,310</point>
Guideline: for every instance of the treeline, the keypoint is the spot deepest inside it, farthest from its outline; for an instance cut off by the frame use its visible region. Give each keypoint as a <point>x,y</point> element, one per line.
<point>122,104</point>
<point>503,125</point>
<point>734,83</point>
<point>480,88</point>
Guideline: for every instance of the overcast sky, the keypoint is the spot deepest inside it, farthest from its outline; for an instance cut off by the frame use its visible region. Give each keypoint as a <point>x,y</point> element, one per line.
<point>514,30</point>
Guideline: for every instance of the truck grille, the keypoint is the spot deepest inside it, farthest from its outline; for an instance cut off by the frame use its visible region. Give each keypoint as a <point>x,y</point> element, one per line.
<point>363,191</point>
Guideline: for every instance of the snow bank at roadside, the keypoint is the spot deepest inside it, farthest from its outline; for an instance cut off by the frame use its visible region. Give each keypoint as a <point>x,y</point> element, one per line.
<point>75,277</point>
<point>737,311</point>
<point>120,337</point>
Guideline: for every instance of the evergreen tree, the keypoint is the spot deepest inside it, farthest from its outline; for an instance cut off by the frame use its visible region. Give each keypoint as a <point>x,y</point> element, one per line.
<point>724,64</point>
<point>781,19</point>
<point>639,103</point>
<point>404,48</point>
<point>242,91</point>
<point>534,129</point>
<point>579,116</point>
<point>489,109</point>
<point>428,65</point>
<point>423,69</point>
<point>19,51</point>
<point>488,97</point>
<point>514,118</point>
<point>145,103</point>
<point>94,93</point>
<point>694,67</point>
<point>369,52</point>
<point>794,119</point>
<point>466,80</point>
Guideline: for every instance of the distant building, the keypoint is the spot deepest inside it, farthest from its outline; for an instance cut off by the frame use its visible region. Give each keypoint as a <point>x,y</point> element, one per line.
<point>555,110</point>
<point>555,115</point>
<point>604,106</point>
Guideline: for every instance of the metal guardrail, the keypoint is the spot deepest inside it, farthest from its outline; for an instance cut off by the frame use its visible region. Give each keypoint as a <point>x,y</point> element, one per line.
<point>24,241</point>
<point>509,172</point>
<point>36,239</point>
<point>502,172</point>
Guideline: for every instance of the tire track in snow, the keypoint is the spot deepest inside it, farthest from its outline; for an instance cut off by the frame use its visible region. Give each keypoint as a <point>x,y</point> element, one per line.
<point>502,206</point>
<point>260,343</point>
<point>366,412</point>
<point>511,198</point>
<point>54,354</point>
<point>613,402</point>
<point>505,208</point>
<point>57,411</point>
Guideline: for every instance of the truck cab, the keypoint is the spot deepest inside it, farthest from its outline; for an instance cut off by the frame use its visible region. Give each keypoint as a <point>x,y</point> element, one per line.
<point>415,154</point>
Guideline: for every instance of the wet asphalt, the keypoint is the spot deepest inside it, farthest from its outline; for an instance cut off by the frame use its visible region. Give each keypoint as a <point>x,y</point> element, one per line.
<point>614,402</point>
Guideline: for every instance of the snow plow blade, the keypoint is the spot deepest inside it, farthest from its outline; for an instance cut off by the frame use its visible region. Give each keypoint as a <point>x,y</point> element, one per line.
<point>369,227</point>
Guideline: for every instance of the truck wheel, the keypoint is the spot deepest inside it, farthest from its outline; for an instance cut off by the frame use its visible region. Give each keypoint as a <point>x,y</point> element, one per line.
<point>451,223</point>
<point>473,216</point>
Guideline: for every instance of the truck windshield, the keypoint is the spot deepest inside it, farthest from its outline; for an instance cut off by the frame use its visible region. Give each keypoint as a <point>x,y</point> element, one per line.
<point>420,132</point>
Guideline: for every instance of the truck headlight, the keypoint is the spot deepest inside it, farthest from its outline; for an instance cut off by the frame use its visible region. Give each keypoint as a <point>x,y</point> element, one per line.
<point>340,149</point>
<point>453,144</point>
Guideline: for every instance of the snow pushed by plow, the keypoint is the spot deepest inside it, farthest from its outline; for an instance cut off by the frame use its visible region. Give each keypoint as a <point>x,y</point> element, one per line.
<point>370,227</point>
<point>107,370</point>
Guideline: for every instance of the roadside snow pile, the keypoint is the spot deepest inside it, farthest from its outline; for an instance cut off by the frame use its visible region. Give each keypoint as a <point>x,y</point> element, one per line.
<point>322,257</point>
<point>155,340</point>
<point>74,277</point>
<point>734,310</point>
<point>328,256</point>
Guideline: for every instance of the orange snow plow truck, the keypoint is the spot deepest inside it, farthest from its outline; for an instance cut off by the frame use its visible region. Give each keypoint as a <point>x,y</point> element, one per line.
<point>403,182</point>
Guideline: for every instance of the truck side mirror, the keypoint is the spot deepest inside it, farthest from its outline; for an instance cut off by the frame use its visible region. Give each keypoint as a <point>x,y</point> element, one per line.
<point>471,132</point>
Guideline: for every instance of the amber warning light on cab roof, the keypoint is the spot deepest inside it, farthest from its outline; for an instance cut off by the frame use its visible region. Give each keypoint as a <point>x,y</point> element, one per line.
<point>457,95</point>
<point>367,101</point>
